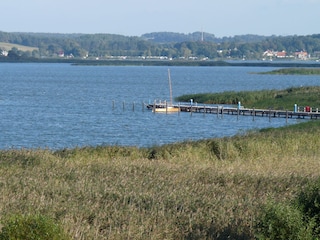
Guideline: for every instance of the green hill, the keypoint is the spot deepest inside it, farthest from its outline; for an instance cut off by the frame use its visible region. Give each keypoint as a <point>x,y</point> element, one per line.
<point>9,46</point>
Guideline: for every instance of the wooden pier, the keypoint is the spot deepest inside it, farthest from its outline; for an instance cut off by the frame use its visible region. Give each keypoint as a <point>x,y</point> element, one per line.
<point>209,109</point>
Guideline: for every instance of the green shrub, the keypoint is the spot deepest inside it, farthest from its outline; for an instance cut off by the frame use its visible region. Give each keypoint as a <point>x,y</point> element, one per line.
<point>308,201</point>
<point>281,221</point>
<point>26,227</point>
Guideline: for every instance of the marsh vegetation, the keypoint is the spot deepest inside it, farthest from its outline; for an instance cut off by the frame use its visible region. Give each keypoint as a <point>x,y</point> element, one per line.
<point>208,189</point>
<point>275,99</point>
<point>294,71</point>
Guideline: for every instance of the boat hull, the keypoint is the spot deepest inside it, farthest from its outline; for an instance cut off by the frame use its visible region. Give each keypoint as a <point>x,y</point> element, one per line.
<point>166,110</point>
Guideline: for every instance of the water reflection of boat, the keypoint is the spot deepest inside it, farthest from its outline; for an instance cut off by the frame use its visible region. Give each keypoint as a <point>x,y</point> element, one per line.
<point>167,106</point>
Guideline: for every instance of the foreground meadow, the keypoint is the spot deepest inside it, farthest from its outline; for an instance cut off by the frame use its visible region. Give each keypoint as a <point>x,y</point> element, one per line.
<point>210,189</point>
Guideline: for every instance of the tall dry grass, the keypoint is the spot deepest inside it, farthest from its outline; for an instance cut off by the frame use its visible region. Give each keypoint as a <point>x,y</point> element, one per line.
<point>210,189</point>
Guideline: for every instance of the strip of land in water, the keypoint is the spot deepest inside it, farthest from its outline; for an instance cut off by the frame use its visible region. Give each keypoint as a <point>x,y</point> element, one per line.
<point>294,71</point>
<point>264,99</point>
<point>152,62</point>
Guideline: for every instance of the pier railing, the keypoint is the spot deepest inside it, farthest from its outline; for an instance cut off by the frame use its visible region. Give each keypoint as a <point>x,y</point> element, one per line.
<point>298,112</point>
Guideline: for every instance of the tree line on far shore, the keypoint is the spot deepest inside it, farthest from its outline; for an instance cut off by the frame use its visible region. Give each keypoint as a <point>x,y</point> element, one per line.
<point>157,45</point>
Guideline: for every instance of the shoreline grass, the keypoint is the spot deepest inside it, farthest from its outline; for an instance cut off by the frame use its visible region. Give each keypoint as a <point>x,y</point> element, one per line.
<point>208,189</point>
<point>275,99</point>
<point>294,71</point>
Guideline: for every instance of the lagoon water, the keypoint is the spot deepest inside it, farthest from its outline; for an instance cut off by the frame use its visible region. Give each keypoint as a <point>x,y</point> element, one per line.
<point>59,106</point>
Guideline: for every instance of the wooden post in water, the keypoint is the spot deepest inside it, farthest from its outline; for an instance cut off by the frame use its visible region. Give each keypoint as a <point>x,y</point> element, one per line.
<point>112,104</point>
<point>269,114</point>
<point>123,105</point>
<point>133,107</point>
<point>142,104</point>
<point>253,114</point>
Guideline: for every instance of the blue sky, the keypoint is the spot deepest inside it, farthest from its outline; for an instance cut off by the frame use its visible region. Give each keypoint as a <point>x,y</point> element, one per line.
<point>136,17</point>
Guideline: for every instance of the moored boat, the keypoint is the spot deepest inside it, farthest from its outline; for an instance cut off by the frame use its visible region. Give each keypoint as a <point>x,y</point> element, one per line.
<point>168,106</point>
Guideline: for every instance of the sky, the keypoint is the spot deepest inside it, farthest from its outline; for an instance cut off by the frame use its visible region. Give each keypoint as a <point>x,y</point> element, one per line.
<point>223,18</point>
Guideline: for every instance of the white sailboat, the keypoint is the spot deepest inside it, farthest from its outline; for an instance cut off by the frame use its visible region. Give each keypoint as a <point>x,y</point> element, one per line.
<point>168,106</point>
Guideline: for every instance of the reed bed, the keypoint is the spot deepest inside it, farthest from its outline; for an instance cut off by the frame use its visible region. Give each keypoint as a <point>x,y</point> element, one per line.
<point>209,189</point>
<point>294,71</point>
<point>274,99</point>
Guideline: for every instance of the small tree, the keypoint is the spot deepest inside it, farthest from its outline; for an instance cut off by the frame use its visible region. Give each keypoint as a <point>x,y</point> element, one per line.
<point>14,53</point>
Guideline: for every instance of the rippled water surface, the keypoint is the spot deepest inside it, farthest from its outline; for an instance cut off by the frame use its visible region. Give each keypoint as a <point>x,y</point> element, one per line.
<point>61,106</point>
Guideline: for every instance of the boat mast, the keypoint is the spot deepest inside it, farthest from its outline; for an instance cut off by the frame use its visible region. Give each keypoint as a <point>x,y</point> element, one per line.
<point>170,88</point>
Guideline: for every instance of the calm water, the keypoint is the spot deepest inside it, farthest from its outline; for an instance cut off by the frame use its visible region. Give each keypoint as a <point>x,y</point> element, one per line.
<point>62,106</point>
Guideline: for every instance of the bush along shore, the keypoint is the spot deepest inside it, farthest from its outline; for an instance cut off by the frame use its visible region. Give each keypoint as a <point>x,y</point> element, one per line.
<point>258,185</point>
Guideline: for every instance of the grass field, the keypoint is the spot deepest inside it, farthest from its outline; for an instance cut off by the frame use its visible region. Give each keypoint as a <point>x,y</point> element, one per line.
<point>9,46</point>
<point>209,189</point>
